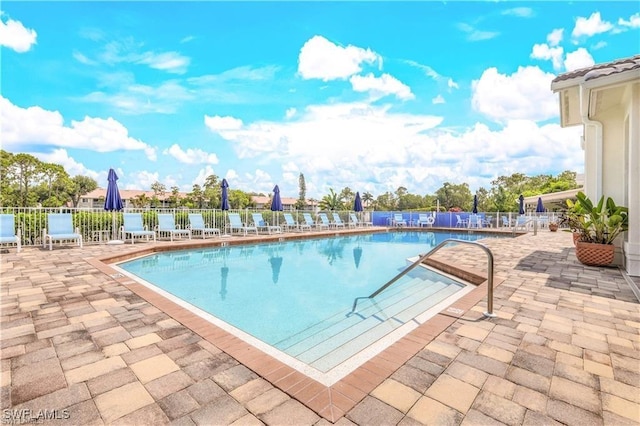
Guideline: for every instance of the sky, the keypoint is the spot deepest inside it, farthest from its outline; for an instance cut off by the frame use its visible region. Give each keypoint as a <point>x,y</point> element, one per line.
<point>367,95</point>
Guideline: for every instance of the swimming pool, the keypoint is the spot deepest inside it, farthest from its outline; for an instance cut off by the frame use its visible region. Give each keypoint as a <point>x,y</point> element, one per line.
<point>294,298</point>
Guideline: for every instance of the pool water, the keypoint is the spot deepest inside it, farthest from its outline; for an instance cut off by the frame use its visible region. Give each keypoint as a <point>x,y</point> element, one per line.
<point>297,295</point>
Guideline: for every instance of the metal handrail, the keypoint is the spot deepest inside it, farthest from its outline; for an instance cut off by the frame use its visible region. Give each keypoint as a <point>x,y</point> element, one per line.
<point>488,314</point>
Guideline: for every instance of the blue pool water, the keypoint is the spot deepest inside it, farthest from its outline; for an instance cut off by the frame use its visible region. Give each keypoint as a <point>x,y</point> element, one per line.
<point>297,293</point>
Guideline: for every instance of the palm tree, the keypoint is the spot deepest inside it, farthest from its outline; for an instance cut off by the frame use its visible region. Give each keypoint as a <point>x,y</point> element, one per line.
<point>367,198</point>
<point>331,201</point>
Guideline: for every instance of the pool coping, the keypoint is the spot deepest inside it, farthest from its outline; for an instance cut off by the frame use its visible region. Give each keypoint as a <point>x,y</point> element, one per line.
<point>331,402</point>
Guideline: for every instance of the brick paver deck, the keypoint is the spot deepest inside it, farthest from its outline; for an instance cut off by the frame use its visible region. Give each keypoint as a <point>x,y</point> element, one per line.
<point>84,346</point>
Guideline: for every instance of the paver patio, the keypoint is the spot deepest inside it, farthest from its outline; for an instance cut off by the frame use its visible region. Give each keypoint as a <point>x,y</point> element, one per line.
<point>84,347</point>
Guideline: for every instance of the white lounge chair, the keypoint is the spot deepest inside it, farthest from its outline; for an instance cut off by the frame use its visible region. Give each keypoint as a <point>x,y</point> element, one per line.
<point>475,221</point>
<point>8,233</point>
<point>309,221</point>
<point>167,225</point>
<point>425,219</point>
<point>398,220</point>
<point>521,223</point>
<point>133,226</point>
<point>291,224</point>
<point>463,223</point>
<point>260,223</point>
<point>354,219</point>
<point>235,224</point>
<point>337,221</point>
<point>196,224</point>
<point>60,228</point>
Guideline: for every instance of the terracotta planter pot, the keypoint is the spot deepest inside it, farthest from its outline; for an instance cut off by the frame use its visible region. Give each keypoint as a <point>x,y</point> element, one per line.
<point>594,254</point>
<point>553,227</point>
<point>576,237</point>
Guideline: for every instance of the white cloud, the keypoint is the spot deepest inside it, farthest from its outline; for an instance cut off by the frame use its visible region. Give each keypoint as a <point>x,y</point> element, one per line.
<point>14,35</point>
<point>438,100</point>
<point>191,156</point>
<point>428,71</point>
<point>474,34</point>
<point>381,86</point>
<point>580,58</point>
<point>555,37</point>
<point>521,12</point>
<point>452,84</point>
<point>544,52</point>
<point>142,180</point>
<point>320,58</point>
<point>217,123</point>
<point>590,26</point>
<point>60,156</point>
<point>171,62</point>
<point>290,113</point>
<point>633,22</point>
<point>522,95</point>
<point>201,178</point>
<point>33,126</point>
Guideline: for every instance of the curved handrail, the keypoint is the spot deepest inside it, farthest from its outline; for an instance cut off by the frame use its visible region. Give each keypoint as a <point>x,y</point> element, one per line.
<point>488,314</point>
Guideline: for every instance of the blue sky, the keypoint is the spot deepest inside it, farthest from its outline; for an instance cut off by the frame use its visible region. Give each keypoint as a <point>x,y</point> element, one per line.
<point>369,95</point>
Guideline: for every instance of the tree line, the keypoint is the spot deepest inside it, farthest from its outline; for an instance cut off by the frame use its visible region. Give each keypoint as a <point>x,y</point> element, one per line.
<point>28,182</point>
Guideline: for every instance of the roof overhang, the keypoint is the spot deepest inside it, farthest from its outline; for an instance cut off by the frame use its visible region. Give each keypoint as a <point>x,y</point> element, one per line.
<point>553,197</point>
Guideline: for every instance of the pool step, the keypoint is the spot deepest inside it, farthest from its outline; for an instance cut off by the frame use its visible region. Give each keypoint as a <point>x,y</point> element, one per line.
<point>357,343</point>
<point>346,337</point>
<point>326,354</point>
<point>365,308</point>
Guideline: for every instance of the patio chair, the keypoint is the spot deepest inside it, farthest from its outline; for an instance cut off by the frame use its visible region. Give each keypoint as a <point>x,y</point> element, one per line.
<point>521,223</point>
<point>337,221</point>
<point>354,219</point>
<point>505,222</point>
<point>235,224</point>
<point>291,224</point>
<point>60,228</point>
<point>260,223</point>
<point>8,233</point>
<point>543,221</point>
<point>425,219</point>
<point>398,220</point>
<point>325,220</point>
<point>196,224</point>
<point>309,221</point>
<point>167,225</point>
<point>133,226</point>
<point>461,223</point>
<point>475,221</point>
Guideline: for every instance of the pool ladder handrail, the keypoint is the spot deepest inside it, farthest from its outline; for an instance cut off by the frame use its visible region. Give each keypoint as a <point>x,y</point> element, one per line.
<point>488,314</point>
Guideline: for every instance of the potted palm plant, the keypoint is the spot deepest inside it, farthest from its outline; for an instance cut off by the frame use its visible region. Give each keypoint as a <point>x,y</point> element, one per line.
<point>596,226</point>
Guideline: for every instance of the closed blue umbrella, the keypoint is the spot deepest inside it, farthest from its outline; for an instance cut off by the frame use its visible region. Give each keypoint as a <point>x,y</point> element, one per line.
<point>357,204</point>
<point>540,206</point>
<point>224,201</point>
<point>225,195</point>
<point>113,201</point>
<point>276,201</point>
<point>475,204</point>
<point>521,204</point>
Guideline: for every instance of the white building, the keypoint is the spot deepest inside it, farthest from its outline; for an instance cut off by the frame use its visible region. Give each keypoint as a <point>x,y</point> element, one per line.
<point>605,100</point>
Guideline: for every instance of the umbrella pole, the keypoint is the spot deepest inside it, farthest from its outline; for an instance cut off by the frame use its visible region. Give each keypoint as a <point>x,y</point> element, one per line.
<point>114,231</point>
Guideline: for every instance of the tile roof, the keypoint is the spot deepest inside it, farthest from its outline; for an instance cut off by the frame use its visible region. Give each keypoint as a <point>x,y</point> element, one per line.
<point>602,70</point>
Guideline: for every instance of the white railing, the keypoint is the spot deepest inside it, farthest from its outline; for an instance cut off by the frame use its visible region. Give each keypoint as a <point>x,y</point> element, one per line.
<point>97,225</point>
